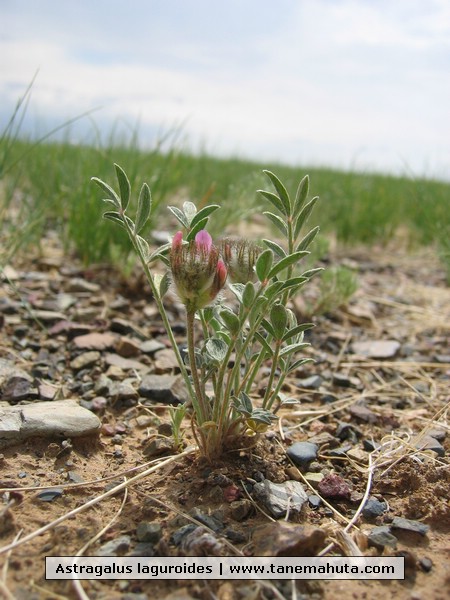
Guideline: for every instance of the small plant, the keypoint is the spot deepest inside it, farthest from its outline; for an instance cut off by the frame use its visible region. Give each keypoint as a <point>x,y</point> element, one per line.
<point>337,285</point>
<point>238,337</point>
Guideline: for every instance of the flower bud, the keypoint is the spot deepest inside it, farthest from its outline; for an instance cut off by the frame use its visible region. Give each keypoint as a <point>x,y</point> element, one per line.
<point>240,257</point>
<point>197,271</point>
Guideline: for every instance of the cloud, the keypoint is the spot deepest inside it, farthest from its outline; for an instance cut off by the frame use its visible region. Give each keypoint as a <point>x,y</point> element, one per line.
<point>327,81</point>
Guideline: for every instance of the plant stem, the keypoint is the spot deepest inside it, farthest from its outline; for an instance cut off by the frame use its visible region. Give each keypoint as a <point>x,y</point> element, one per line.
<point>200,396</point>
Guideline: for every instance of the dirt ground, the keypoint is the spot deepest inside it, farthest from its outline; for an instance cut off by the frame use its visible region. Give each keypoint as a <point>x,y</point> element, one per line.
<point>395,401</point>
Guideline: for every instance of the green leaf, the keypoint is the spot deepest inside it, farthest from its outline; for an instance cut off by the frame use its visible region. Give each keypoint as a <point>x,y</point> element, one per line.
<point>304,215</point>
<point>278,319</point>
<point>276,248</point>
<point>274,200</point>
<point>273,290</point>
<point>277,221</point>
<point>258,309</point>
<point>243,404</point>
<point>124,186</point>
<point>311,272</point>
<point>293,282</point>
<point>231,321</point>
<point>296,330</point>
<point>180,216</point>
<point>262,340</point>
<point>248,295</point>
<point>144,207</point>
<point>238,290</point>
<point>161,252</point>
<point>190,210</point>
<point>200,225</point>
<point>287,262</point>
<point>281,191</point>
<point>293,348</point>
<point>268,327</point>
<point>263,264</point>
<point>111,194</point>
<point>115,217</point>
<point>216,349</point>
<point>299,363</point>
<point>162,283</point>
<point>301,195</point>
<point>306,241</point>
<point>144,248</point>
<point>203,213</point>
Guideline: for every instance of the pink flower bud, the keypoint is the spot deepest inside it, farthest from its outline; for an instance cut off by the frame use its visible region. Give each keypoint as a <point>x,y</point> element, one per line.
<point>197,272</point>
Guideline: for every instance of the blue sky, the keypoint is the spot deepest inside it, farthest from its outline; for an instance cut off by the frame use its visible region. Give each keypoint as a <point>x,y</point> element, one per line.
<point>359,84</point>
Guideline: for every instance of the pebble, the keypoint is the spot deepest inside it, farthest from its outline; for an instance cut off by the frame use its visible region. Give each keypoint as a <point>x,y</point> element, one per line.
<point>287,539</point>
<point>127,347</point>
<point>376,348</point>
<point>126,327</point>
<point>168,389</point>
<point>426,442</point>
<point>310,383</point>
<point>333,486</point>
<point>437,433</point>
<point>78,284</point>
<point>45,419</point>
<point>212,522</point>
<point>126,364</point>
<point>158,446</point>
<point>200,542</point>
<point>374,508</point>
<point>279,498</point>
<point>302,453</point>
<point>363,413</point>
<point>341,380</point>
<point>46,316</point>
<point>85,360</point>
<point>142,549</point>
<point>178,535</point>
<point>241,509</point>
<point>314,501</point>
<point>347,431</point>
<point>426,564</point>
<point>410,525</point>
<point>314,478</point>
<point>149,532</point>
<point>117,547</point>
<point>165,360</point>
<point>151,346</point>
<point>50,494</point>
<point>379,537</point>
<point>94,341</point>
<point>358,455</point>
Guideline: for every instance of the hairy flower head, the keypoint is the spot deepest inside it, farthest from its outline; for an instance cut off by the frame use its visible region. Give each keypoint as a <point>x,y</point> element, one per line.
<point>240,257</point>
<point>197,271</point>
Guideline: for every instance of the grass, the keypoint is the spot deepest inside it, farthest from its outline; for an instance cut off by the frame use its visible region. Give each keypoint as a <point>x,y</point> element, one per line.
<point>47,185</point>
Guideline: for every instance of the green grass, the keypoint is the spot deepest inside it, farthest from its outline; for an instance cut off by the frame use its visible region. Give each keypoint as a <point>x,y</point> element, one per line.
<point>47,185</point>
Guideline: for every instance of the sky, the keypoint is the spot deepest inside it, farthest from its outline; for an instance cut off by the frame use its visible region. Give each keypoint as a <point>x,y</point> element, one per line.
<point>350,84</point>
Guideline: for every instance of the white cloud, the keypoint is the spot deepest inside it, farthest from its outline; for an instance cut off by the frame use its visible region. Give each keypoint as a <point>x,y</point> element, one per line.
<point>338,82</point>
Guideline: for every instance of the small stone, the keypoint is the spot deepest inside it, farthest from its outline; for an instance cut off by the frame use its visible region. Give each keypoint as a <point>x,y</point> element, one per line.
<point>158,446</point>
<point>410,525</point>
<point>149,532</point>
<point>126,364</point>
<point>376,348</point>
<point>50,494</point>
<point>236,537</point>
<point>168,389</point>
<point>302,453</point>
<point>363,413</point>
<point>310,383</point>
<point>347,431</point>
<point>47,391</point>
<point>379,537</point>
<point>437,433</point>
<point>163,429</point>
<point>426,442</point>
<point>145,421</point>
<point>178,535</point>
<point>63,418</point>
<point>314,501</point>
<point>370,445</point>
<point>140,549</point>
<point>125,327</point>
<point>210,521</point>
<point>341,380</point>
<point>77,284</point>
<point>426,564</point>
<point>94,341</point>
<point>117,547</point>
<point>47,316</point>
<point>127,347</point>
<point>358,455</point>
<point>241,509</point>
<point>125,392</point>
<point>201,542</point>
<point>278,498</point>
<point>74,477</point>
<point>151,346</point>
<point>333,486</point>
<point>165,361</point>
<point>314,479</point>
<point>374,508</point>
<point>85,360</point>
<point>286,539</point>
